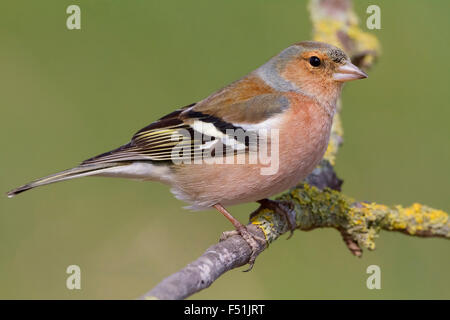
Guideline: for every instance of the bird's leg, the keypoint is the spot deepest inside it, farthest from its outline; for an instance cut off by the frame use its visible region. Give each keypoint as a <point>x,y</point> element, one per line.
<point>282,208</point>
<point>242,230</point>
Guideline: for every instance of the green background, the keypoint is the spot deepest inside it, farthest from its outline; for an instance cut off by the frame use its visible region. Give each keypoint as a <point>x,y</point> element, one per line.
<point>68,95</point>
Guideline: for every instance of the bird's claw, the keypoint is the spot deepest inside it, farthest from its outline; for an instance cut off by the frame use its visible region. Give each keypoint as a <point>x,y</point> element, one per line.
<point>228,234</point>
<point>255,242</point>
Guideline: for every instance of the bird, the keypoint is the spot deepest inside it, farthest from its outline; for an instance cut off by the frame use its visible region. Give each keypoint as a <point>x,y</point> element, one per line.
<point>206,151</point>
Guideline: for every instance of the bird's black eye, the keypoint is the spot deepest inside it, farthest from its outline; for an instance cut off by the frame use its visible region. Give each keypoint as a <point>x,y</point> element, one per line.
<point>314,61</point>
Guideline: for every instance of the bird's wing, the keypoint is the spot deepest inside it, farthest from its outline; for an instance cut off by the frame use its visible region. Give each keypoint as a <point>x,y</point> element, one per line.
<point>181,135</point>
<point>246,101</point>
<point>202,128</point>
<point>152,143</point>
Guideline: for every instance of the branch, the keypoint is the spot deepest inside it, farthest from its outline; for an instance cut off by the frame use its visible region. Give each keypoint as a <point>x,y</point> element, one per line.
<point>229,254</point>
<point>358,222</point>
<point>317,202</point>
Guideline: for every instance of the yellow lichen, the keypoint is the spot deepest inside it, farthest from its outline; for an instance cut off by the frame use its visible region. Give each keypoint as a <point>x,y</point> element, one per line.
<point>363,221</point>
<point>325,31</point>
<point>436,216</point>
<point>363,39</point>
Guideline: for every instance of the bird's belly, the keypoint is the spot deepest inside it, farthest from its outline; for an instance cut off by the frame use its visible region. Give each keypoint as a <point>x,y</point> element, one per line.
<point>204,185</point>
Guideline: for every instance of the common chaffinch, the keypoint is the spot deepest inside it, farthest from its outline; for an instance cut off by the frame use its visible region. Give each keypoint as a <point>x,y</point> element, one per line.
<point>286,105</point>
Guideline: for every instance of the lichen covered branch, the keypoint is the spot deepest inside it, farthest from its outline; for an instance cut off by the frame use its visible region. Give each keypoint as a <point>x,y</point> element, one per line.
<point>361,221</point>
<point>334,22</point>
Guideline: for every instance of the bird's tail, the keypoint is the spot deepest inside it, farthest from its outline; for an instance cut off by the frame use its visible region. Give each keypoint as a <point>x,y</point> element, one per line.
<point>77,172</point>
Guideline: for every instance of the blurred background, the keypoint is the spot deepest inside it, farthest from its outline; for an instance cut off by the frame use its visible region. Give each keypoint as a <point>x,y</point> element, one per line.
<point>68,95</point>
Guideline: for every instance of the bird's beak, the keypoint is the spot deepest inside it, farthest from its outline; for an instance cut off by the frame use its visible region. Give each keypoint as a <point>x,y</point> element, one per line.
<point>348,72</point>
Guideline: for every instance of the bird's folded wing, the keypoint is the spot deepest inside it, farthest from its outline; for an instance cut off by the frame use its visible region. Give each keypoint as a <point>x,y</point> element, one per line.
<point>198,130</point>
<point>241,109</point>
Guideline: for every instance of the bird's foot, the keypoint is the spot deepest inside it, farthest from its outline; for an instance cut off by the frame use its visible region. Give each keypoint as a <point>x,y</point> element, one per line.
<point>255,242</point>
<point>282,208</point>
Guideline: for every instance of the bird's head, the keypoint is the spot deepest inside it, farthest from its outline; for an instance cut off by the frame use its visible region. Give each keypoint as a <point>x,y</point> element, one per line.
<point>314,68</point>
